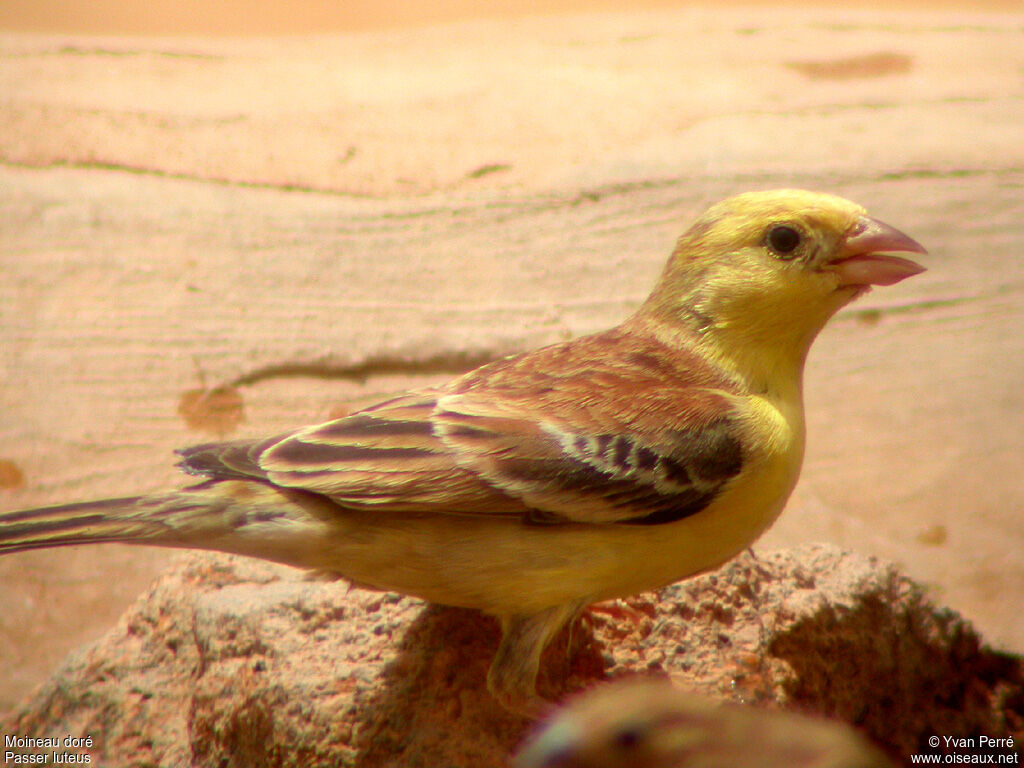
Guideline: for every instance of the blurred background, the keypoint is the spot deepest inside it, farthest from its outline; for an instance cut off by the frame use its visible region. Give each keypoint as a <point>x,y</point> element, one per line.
<point>273,17</point>
<point>220,220</point>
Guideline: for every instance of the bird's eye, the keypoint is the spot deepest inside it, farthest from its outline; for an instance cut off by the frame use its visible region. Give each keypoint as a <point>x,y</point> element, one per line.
<point>629,737</point>
<point>784,240</point>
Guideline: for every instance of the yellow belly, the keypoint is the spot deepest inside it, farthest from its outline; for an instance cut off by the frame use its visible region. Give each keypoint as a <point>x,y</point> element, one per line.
<point>502,566</point>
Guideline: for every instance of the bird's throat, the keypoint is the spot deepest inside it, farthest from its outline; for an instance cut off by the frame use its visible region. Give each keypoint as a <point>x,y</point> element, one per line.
<point>762,345</point>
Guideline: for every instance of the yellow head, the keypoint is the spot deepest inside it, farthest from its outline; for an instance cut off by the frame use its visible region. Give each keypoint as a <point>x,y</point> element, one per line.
<point>759,274</point>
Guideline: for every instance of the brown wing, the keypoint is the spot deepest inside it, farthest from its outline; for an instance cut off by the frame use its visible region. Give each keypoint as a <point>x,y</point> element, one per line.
<point>609,428</point>
<point>599,430</point>
<point>385,457</point>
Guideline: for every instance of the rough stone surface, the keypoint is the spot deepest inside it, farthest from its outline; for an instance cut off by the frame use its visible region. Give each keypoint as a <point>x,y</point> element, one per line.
<point>232,662</point>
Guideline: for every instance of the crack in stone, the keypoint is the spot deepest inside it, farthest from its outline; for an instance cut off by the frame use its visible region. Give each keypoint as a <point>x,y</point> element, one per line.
<point>449,361</point>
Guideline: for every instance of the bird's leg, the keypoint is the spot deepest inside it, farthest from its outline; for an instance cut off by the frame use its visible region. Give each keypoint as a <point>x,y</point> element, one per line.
<point>512,678</point>
<point>575,621</point>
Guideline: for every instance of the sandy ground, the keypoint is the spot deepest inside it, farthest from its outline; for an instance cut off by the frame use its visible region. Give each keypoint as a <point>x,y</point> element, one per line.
<point>310,221</point>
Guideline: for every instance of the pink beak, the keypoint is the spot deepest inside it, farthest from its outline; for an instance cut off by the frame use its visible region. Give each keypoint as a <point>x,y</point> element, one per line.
<point>862,258</point>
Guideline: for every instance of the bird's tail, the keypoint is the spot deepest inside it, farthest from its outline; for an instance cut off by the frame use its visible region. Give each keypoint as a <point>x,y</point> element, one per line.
<point>245,518</point>
<point>90,522</point>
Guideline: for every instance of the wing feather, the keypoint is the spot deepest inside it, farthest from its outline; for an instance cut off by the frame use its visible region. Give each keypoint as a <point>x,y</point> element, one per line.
<point>384,457</point>
<point>611,428</point>
<point>601,430</point>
